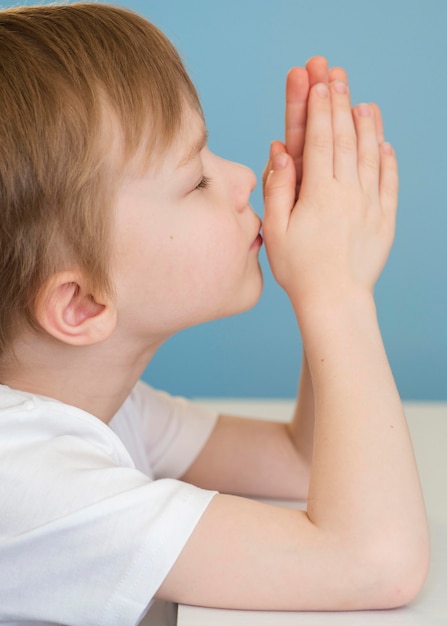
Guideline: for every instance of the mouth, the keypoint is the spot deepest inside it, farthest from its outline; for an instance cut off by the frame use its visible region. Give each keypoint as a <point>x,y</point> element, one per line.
<point>257,243</point>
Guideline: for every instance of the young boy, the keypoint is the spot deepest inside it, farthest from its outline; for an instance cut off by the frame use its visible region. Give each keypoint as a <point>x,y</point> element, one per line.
<point>119,228</point>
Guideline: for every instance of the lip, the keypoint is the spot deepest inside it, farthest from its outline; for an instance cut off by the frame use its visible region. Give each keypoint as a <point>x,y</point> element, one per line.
<point>257,243</point>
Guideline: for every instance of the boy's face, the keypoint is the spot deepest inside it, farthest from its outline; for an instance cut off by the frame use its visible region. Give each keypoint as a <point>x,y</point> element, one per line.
<point>186,247</point>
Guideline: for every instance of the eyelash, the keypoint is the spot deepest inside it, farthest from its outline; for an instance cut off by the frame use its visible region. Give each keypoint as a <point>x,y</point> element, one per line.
<point>204,183</point>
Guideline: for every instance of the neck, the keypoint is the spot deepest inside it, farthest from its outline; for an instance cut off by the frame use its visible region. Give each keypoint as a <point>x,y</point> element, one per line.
<point>96,378</point>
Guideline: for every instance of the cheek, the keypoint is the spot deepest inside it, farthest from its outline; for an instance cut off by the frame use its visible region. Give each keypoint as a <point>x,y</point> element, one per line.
<point>198,271</point>
<point>189,275</point>
<point>214,249</point>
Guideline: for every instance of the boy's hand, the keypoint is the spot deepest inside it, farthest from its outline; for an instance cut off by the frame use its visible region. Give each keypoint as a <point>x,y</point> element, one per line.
<point>337,235</point>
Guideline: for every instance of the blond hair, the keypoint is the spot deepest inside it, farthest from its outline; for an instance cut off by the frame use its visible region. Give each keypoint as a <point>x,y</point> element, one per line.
<point>59,66</point>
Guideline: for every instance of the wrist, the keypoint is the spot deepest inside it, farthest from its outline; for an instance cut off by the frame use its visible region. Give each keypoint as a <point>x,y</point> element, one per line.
<point>339,310</point>
<point>343,344</point>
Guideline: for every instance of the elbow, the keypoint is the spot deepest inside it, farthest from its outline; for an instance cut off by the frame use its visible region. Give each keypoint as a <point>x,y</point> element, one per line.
<point>398,570</point>
<point>404,587</point>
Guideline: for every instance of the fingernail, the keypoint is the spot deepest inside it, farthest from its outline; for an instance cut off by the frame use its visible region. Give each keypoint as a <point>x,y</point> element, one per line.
<point>339,86</point>
<point>279,161</point>
<point>364,110</point>
<point>321,89</point>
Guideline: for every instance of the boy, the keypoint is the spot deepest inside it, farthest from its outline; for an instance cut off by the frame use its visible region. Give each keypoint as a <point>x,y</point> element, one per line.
<point>119,227</point>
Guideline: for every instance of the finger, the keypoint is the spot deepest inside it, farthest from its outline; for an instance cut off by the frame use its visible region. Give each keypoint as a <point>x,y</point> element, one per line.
<point>267,168</point>
<point>297,91</point>
<point>345,139</point>
<point>389,179</point>
<point>338,73</point>
<point>317,69</point>
<point>276,146</point>
<point>368,149</point>
<point>318,148</point>
<point>379,122</point>
<point>279,192</point>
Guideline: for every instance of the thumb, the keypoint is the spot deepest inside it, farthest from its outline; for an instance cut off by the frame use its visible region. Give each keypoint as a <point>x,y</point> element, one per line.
<point>279,190</point>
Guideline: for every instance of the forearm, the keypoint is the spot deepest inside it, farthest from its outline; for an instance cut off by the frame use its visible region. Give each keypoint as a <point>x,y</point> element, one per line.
<point>301,428</point>
<point>363,542</point>
<point>364,473</point>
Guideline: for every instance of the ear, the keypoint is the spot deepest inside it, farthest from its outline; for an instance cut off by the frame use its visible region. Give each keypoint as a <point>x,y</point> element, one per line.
<point>67,310</point>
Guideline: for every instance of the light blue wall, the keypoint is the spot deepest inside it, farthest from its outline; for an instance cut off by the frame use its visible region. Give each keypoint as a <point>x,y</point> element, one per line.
<point>238,52</point>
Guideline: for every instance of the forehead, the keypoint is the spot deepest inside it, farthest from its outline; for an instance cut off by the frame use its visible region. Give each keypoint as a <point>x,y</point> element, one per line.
<point>191,138</point>
<point>185,146</point>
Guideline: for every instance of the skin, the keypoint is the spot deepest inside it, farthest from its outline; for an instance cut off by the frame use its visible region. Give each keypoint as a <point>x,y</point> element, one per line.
<point>183,254</point>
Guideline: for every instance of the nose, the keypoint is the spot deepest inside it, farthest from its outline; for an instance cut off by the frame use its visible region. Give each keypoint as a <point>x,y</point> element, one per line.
<point>243,183</point>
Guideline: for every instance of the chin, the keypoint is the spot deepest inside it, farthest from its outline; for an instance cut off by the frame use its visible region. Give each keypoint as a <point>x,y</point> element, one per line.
<point>249,299</point>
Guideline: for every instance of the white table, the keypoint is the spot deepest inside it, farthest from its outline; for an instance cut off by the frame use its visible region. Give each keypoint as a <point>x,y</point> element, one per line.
<point>428,425</point>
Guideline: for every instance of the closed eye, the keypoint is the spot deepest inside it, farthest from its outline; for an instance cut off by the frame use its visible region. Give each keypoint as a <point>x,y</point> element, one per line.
<point>204,183</point>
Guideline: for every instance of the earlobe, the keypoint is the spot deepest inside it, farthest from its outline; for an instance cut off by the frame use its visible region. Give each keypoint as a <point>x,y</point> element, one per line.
<point>67,310</point>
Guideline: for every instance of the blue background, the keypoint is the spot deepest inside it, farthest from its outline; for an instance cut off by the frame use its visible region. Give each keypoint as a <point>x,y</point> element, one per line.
<point>238,53</point>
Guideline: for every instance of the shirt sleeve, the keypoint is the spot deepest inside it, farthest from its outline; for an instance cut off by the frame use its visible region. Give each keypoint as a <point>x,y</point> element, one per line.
<point>84,539</point>
<point>164,431</point>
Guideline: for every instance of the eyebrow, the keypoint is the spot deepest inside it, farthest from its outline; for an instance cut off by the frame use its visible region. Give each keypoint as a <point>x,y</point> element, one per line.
<point>195,149</point>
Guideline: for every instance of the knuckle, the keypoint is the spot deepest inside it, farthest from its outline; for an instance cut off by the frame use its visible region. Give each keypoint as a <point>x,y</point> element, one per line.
<point>345,143</point>
<point>274,188</point>
<point>320,141</point>
<point>370,161</point>
<point>390,188</point>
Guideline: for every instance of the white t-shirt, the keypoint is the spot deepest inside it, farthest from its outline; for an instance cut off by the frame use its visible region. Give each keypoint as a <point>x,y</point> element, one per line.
<point>92,517</point>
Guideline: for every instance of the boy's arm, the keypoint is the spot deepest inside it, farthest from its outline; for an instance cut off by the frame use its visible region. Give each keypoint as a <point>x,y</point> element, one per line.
<point>255,457</point>
<point>363,542</point>
<point>297,90</point>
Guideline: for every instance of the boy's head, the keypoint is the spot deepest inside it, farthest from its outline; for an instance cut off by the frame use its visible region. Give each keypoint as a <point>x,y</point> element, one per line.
<point>65,73</point>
